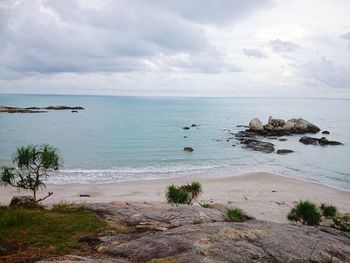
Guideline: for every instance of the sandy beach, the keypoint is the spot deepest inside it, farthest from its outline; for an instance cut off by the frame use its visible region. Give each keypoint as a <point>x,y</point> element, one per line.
<point>262,195</point>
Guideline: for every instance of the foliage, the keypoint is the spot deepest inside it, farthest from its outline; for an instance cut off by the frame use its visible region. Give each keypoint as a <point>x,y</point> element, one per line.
<point>342,222</point>
<point>206,205</point>
<point>183,194</point>
<point>306,213</point>
<point>236,215</point>
<point>33,164</point>
<point>328,211</point>
<point>51,231</point>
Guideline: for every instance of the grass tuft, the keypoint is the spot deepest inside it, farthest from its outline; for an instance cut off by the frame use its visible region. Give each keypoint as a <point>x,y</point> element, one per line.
<point>236,215</point>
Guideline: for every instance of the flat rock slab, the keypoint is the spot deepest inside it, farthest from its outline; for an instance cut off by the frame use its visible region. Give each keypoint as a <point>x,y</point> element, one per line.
<point>253,241</point>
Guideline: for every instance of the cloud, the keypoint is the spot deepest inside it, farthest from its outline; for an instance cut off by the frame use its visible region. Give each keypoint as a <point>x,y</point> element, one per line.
<point>346,36</point>
<point>49,37</point>
<point>325,72</point>
<point>251,52</point>
<point>280,46</point>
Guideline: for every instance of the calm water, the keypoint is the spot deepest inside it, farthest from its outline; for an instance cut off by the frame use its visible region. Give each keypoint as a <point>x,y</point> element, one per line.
<point>132,138</point>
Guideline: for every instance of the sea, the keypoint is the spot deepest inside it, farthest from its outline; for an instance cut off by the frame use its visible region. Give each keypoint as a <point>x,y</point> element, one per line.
<point>118,139</point>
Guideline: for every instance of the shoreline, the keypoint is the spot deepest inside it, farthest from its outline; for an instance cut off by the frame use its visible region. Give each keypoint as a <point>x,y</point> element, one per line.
<point>265,196</point>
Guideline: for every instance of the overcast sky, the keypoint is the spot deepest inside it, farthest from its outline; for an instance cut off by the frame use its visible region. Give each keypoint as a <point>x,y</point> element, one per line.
<point>283,48</point>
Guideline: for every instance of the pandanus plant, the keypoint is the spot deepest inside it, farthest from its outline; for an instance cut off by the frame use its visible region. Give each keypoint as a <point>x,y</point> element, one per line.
<point>33,164</point>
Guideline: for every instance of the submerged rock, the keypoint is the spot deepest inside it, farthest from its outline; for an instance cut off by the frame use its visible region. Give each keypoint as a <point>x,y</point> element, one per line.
<point>260,146</point>
<point>186,128</point>
<point>284,151</point>
<point>282,139</point>
<point>315,141</point>
<point>188,149</point>
<point>325,132</point>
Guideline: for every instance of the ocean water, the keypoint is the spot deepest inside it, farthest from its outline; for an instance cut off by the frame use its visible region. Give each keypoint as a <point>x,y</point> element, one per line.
<point>135,138</point>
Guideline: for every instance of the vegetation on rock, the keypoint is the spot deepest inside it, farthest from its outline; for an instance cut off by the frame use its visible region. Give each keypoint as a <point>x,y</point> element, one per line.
<point>328,211</point>
<point>306,213</point>
<point>236,215</point>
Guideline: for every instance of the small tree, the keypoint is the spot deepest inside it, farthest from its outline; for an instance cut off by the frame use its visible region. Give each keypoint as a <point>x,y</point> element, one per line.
<point>306,213</point>
<point>183,194</point>
<point>328,211</point>
<point>33,162</point>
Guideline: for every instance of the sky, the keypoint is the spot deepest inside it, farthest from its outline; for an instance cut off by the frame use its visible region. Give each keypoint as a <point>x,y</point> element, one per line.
<point>251,48</point>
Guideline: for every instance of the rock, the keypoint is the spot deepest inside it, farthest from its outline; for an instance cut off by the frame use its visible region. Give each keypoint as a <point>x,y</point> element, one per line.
<point>186,128</point>
<point>315,141</point>
<point>308,140</point>
<point>214,240</point>
<point>300,126</point>
<point>185,137</point>
<point>188,149</point>
<point>323,141</point>
<point>284,151</point>
<point>63,108</point>
<point>334,143</point>
<point>84,195</point>
<point>282,139</point>
<point>325,132</point>
<point>274,123</point>
<point>23,202</point>
<point>75,111</point>
<point>256,125</point>
<point>194,125</point>
<point>271,138</point>
<point>260,146</point>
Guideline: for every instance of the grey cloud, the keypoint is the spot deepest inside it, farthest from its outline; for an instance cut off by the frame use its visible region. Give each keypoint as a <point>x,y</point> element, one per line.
<point>251,52</point>
<point>326,73</point>
<point>280,46</point>
<point>346,36</point>
<point>50,36</point>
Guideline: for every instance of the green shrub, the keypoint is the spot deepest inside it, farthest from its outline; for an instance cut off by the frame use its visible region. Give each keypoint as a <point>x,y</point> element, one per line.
<point>342,222</point>
<point>206,205</point>
<point>328,211</point>
<point>183,194</point>
<point>236,215</point>
<point>306,213</point>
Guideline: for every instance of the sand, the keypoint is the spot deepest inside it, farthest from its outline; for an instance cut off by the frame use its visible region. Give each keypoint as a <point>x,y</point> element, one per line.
<point>264,196</point>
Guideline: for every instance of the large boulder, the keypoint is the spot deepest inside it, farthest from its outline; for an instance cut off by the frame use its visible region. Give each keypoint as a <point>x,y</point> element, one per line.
<point>300,126</point>
<point>256,125</point>
<point>259,146</point>
<point>23,202</point>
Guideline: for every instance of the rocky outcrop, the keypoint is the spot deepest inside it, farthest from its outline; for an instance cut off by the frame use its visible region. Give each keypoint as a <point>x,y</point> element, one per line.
<point>279,127</point>
<point>325,132</point>
<point>196,234</point>
<point>315,141</point>
<point>36,109</point>
<point>256,125</point>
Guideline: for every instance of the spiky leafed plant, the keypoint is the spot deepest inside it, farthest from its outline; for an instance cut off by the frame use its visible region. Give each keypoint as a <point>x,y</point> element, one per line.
<point>328,211</point>
<point>33,164</point>
<point>306,213</point>
<point>183,194</point>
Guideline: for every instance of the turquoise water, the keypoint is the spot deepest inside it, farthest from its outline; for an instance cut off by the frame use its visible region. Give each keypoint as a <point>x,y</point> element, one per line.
<point>132,138</point>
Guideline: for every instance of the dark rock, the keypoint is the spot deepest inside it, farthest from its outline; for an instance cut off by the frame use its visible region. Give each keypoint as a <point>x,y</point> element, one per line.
<point>84,195</point>
<point>188,149</point>
<point>315,141</point>
<point>63,108</point>
<point>284,151</point>
<point>194,125</point>
<point>308,140</point>
<point>23,202</point>
<point>186,128</point>
<point>75,111</point>
<point>325,132</point>
<point>323,141</point>
<point>260,146</point>
<point>185,136</point>
<point>334,143</point>
<point>282,139</point>
<point>271,138</point>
